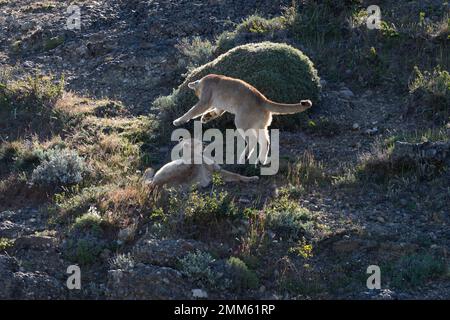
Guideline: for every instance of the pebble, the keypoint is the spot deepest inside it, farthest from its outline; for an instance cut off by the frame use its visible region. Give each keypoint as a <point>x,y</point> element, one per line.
<point>346,93</point>
<point>372,131</point>
<point>199,294</point>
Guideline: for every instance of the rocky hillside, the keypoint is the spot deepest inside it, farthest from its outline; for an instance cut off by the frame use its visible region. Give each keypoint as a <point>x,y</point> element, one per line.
<point>124,50</point>
<point>364,176</point>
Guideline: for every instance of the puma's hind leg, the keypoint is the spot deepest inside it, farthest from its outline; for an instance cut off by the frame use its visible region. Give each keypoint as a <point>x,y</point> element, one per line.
<point>211,115</point>
<point>251,143</point>
<point>264,143</point>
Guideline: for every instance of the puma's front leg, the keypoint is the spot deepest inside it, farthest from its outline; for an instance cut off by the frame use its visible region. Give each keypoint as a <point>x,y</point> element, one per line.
<point>194,112</point>
<point>234,177</point>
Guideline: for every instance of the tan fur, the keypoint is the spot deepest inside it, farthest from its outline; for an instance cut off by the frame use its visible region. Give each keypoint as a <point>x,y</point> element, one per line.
<point>219,94</point>
<point>179,173</point>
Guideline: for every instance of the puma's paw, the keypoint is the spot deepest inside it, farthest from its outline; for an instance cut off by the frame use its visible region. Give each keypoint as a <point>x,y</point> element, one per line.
<point>204,119</point>
<point>178,122</point>
<point>306,103</point>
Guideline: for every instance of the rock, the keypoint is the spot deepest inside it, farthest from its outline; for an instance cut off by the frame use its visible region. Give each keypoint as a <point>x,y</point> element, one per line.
<point>27,285</point>
<point>34,242</point>
<point>345,246</point>
<point>346,93</point>
<point>128,234</point>
<point>10,229</point>
<point>355,126</point>
<point>8,282</point>
<point>164,252</point>
<point>371,131</point>
<point>199,294</point>
<point>430,151</point>
<point>381,219</point>
<point>244,200</point>
<point>147,283</point>
<point>37,285</point>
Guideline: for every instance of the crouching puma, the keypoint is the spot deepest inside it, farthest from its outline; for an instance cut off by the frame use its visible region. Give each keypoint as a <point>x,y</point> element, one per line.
<point>184,173</point>
<point>253,111</point>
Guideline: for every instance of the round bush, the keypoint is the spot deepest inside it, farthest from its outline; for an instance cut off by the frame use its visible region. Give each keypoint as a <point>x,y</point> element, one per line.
<point>281,72</point>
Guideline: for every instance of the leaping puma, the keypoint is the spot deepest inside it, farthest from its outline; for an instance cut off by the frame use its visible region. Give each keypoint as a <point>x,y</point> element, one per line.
<point>184,173</point>
<point>253,111</point>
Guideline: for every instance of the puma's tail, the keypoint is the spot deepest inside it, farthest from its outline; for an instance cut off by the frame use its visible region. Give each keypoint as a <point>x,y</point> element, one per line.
<point>284,108</point>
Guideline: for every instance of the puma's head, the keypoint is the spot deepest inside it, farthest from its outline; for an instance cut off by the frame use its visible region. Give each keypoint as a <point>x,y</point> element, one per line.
<point>195,86</point>
<point>190,147</point>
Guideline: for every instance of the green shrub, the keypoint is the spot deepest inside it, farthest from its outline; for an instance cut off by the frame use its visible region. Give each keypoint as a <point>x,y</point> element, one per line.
<point>6,243</point>
<point>415,270</point>
<point>53,42</point>
<point>281,72</point>
<point>197,266</point>
<point>21,155</point>
<point>91,220</point>
<point>433,88</point>
<point>196,52</point>
<point>34,93</point>
<point>307,171</point>
<point>241,276</point>
<point>86,239</point>
<point>60,167</point>
<point>288,219</point>
<point>27,105</point>
<point>201,215</point>
<point>76,201</point>
<point>85,250</point>
<point>252,29</point>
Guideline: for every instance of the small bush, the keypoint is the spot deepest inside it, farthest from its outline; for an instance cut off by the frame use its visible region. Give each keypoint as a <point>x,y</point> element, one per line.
<point>433,88</point>
<point>60,167</point>
<point>306,171</point>
<point>380,165</point>
<point>122,261</point>
<point>281,72</point>
<point>415,270</point>
<point>75,201</point>
<point>288,220</point>
<point>241,276</point>
<point>21,155</point>
<point>6,243</point>
<point>201,215</point>
<point>85,250</point>
<point>196,52</point>
<point>86,239</point>
<point>91,220</point>
<point>35,92</point>
<point>197,266</point>
<point>252,29</point>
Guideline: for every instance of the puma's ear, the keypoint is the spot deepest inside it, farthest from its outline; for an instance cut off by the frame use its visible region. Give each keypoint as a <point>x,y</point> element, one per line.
<point>193,85</point>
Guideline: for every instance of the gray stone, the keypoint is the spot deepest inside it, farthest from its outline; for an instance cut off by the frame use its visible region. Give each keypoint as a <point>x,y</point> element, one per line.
<point>164,252</point>
<point>147,283</point>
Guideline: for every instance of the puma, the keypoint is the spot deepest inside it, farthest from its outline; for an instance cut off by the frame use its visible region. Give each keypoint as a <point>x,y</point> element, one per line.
<point>253,111</point>
<point>184,173</point>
